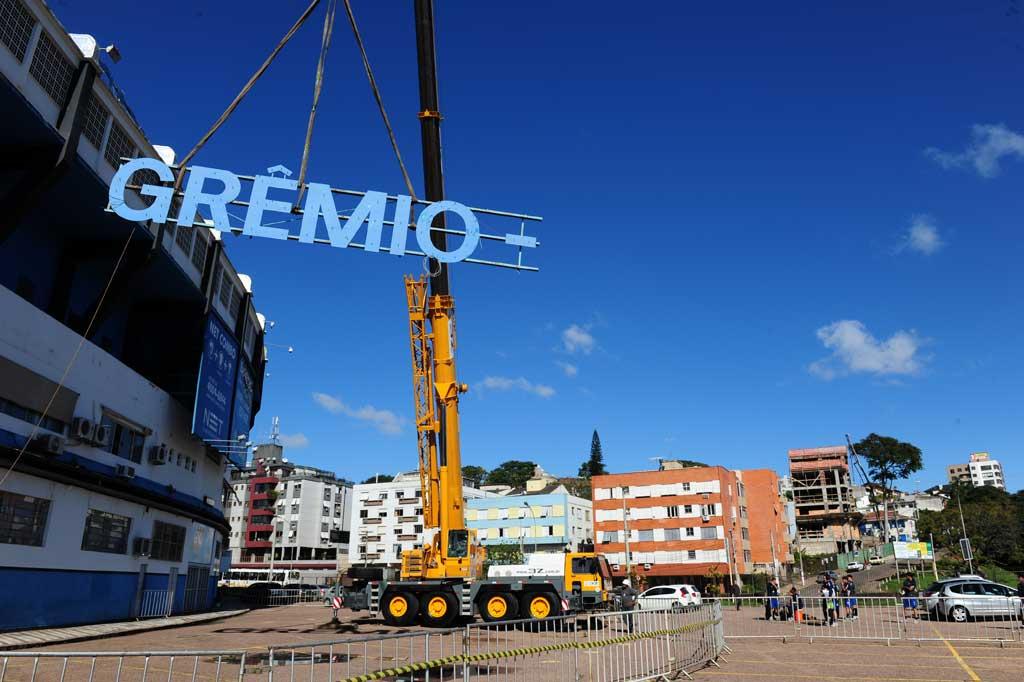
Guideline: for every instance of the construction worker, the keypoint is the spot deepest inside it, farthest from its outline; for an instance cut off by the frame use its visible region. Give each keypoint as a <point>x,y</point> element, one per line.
<point>628,595</point>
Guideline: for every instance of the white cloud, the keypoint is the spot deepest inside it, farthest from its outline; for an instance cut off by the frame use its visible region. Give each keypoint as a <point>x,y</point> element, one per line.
<point>519,383</point>
<point>922,236</point>
<point>385,421</point>
<point>855,350</point>
<point>570,369</point>
<point>576,338</point>
<point>989,144</point>
<point>294,440</point>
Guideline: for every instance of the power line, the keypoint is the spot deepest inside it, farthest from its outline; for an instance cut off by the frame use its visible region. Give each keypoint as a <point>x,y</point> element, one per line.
<point>74,356</point>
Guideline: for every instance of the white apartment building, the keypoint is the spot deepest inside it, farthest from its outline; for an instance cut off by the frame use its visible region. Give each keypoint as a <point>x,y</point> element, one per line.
<point>297,513</point>
<point>979,471</point>
<point>387,519</point>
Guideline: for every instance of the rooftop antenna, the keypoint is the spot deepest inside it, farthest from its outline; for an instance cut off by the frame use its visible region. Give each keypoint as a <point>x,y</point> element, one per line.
<point>275,431</point>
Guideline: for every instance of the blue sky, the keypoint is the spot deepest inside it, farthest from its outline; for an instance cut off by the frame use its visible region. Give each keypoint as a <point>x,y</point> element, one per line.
<point>764,227</point>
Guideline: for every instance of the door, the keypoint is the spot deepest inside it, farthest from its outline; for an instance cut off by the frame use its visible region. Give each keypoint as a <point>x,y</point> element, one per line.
<point>197,588</point>
<point>997,598</point>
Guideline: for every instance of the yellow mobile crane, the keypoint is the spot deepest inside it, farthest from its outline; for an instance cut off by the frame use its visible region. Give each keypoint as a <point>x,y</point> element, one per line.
<point>444,579</point>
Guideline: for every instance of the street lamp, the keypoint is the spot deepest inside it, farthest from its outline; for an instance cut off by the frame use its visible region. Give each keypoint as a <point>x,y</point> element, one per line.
<point>527,505</point>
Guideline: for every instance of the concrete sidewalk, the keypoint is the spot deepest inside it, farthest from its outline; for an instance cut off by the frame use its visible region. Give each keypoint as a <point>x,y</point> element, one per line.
<point>26,639</point>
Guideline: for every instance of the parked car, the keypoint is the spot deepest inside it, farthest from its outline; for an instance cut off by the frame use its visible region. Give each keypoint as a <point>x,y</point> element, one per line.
<point>875,560</point>
<point>669,597</point>
<point>258,593</point>
<point>831,574</point>
<point>304,589</point>
<point>854,566</point>
<point>960,599</point>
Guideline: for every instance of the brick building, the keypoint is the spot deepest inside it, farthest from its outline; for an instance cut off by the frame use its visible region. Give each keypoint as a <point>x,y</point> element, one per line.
<point>685,523</point>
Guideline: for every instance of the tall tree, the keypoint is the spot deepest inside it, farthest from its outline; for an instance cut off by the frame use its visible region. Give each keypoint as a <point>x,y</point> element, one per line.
<point>473,473</point>
<point>595,465</point>
<point>514,473</point>
<point>889,460</point>
<point>380,478</point>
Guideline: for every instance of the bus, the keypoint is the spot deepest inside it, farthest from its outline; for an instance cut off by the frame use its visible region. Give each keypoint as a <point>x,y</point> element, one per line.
<point>248,576</point>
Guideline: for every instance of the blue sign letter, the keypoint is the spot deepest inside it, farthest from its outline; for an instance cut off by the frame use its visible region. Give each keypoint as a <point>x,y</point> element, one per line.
<point>258,203</point>
<point>427,216</point>
<point>403,208</point>
<point>194,195</point>
<point>157,211</point>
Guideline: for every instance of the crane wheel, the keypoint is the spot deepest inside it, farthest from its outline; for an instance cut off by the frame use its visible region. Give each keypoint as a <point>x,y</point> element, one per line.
<point>539,606</point>
<point>497,606</point>
<point>438,609</point>
<point>399,608</point>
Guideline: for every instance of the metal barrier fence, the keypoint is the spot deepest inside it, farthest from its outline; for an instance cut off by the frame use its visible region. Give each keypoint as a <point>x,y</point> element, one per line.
<point>609,647</point>
<point>155,604</point>
<point>876,618</point>
<point>283,597</point>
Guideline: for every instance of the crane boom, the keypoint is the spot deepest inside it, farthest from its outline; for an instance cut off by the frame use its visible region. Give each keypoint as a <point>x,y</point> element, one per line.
<point>453,551</point>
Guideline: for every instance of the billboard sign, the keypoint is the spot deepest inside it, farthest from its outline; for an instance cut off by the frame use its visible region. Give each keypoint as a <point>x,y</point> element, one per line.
<point>912,550</point>
<point>241,414</point>
<point>212,190</point>
<point>215,389</point>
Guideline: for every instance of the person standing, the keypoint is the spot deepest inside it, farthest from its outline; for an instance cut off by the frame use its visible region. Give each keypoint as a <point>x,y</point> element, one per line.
<point>851,598</point>
<point>828,602</point>
<point>909,592</point>
<point>1020,596</point>
<point>773,600</point>
<point>736,594</point>
<point>628,596</point>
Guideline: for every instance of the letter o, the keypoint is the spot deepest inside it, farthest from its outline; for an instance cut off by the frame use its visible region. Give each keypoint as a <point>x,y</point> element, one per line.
<point>426,219</point>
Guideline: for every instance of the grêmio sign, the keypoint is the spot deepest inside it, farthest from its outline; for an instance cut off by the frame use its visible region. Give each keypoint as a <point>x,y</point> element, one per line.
<point>214,190</point>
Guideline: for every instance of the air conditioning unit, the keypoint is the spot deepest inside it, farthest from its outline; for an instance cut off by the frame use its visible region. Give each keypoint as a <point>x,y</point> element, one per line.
<point>647,567</point>
<point>616,567</point>
<point>140,547</point>
<point>52,445</point>
<point>125,471</point>
<point>705,518</point>
<point>82,429</point>
<point>706,496</point>
<point>103,435</point>
<point>158,454</point>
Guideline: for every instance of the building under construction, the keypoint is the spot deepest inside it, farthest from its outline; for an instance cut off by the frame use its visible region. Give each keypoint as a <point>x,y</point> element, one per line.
<point>826,513</point>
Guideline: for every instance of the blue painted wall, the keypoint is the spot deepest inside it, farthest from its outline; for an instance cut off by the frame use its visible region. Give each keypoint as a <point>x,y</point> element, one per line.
<point>33,599</point>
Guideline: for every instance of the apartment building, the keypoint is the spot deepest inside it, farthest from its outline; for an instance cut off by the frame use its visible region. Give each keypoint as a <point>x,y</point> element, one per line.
<point>980,470</point>
<point>826,513</point>
<point>296,513</point>
<point>387,518</point>
<point>686,523</point>
<point>541,517</point>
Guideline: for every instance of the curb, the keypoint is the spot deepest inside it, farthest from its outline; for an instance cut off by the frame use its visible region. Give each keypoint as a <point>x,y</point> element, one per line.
<point>157,625</point>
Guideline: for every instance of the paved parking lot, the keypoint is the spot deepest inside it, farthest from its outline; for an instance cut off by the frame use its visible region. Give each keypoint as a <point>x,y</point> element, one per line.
<point>773,660</point>
<point>768,659</point>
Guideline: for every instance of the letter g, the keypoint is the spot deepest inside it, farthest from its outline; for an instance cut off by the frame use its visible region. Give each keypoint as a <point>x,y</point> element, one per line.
<point>157,211</point>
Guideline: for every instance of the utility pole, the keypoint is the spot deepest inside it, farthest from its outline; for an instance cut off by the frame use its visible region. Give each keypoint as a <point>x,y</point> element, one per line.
<point>935,569</point>
<point>430,136</point>
<point>625,527</point>
<point>963,526</point>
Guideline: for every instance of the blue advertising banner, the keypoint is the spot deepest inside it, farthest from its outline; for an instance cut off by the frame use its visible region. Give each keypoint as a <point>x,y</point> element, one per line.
<point>216,386</point>
<point>241,416</point>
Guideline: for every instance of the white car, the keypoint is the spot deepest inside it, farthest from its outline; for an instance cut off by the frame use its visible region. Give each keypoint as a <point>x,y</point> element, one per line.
<point>875,560</point>
<point>855,566</point>
<point>669,597</point>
